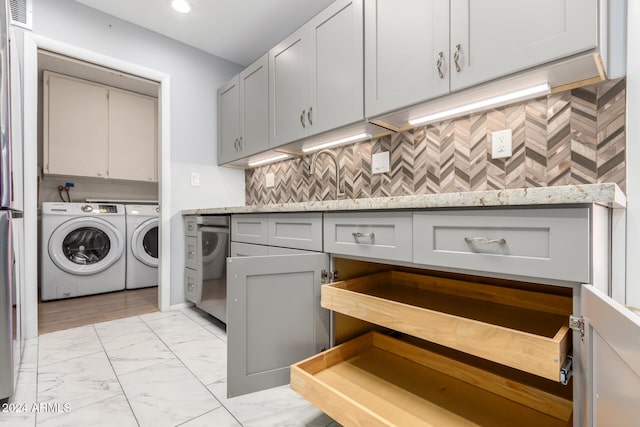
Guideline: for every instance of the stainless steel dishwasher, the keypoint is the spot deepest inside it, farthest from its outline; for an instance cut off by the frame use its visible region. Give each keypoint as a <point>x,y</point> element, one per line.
<point>206,265</point>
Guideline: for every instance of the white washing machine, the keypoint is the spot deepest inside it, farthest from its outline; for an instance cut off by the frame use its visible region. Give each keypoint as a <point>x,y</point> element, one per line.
<point>142,246</point>
<point>82,250</point>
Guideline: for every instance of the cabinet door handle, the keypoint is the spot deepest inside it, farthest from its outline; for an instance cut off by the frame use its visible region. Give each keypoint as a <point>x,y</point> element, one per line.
<point>309,116</point>
<point>440,63</point>
<point>484,240</point>
<point>358,234</point>
<point>235,144</point>
<point>240,144</point>
<point>456,57</point>
<point>304,125</point>
<point>191,286</point>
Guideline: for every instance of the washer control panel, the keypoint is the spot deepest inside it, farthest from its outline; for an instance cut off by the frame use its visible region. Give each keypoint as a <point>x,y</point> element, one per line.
<point>108,208</point>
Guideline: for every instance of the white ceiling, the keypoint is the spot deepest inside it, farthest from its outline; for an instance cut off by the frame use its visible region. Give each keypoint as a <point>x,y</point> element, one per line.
<point>237,30</point>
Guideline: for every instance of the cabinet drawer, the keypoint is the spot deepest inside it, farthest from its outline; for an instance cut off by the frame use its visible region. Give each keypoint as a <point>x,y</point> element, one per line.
<point>190,225</point>
<point>546,243</point>
<point>192,285</point>
<point>248,249</point>
<point>376,380</point>
<point>191,252</point>
<point>297,231</point>
<point>522,329</point>
<point>383,235</point>
<point>249,228</point>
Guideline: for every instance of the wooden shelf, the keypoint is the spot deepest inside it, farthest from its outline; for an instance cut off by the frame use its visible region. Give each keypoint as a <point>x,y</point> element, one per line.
<point>375,380</point>
<point>519,328</point>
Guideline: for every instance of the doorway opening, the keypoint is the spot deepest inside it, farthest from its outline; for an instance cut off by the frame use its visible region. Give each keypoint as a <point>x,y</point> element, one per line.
<point>41,53</point>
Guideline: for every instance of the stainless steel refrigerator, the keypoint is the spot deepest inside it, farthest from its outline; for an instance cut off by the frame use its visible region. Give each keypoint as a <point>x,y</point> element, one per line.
<point>10,347</point>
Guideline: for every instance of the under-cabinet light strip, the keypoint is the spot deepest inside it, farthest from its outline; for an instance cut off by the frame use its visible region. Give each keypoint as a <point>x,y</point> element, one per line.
<point>270,159</point>
<point>352,138</point>
<point>541,89</point>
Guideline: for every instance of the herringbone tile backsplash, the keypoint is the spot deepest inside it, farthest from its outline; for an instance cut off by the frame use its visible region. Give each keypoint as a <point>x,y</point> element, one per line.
<point>573,137</point>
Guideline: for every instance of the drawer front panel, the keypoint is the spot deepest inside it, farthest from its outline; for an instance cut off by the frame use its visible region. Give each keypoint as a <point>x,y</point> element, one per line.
<point>547,243</point>
<point>192,285</point>
<point>191,252</point>
<point>247,249</point>
<point>274,250</point>
<point>297,231</point>
<point>249,229</point>
<point>383,235</point>
<point>190,225</point>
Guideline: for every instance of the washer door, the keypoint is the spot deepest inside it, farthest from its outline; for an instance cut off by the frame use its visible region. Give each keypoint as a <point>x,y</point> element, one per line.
<point>85,246</point>
<point>144,242</point>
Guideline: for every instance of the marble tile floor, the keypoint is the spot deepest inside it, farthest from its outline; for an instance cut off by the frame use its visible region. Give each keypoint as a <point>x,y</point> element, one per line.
<point>157,369</point>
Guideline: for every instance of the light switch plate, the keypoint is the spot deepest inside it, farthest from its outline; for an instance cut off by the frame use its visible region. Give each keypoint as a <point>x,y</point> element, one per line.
<point>380,162</point>
<point>195,179</point>
<point>270,180</point>
<point>501,144</point>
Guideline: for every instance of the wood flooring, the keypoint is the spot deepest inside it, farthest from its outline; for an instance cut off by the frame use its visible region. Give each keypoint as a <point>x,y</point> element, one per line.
<point>80,311</point>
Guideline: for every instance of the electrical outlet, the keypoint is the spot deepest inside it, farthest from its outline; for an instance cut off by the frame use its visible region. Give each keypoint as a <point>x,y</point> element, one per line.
<point>380,162</point>
<point>195,179</point>
<point>501,144</point>
<point>270,180</point>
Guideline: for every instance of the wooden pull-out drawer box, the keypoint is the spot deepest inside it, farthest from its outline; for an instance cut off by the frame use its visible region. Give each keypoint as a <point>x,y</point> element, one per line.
<point>518,328</point>
<point>376,380</point>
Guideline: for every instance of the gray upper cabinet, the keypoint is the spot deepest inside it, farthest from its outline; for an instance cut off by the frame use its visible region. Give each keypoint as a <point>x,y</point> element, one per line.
<point>243,117</point>
<point>336,73</point>
<point>494,38</point>
<point>418,50</point>
<point>228,120</point>
<point>406,53</point>
<point>316,75</point>
<point>288,90</point>
<point>274,318</point>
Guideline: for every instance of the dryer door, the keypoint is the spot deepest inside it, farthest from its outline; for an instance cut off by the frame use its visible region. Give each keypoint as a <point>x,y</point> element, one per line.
<point>85,246</point>
<point>144,242</point>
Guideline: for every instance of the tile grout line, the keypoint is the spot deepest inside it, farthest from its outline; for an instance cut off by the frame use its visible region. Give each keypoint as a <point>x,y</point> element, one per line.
<point>190,371</point>
<point>116,375</point>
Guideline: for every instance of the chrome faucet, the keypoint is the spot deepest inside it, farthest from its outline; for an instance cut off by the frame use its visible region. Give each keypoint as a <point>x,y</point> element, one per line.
<point>312,168</point>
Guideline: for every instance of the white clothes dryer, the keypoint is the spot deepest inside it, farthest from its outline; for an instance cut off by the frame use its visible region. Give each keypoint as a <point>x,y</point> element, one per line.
<point>82,249</point>
<point>142,246</point>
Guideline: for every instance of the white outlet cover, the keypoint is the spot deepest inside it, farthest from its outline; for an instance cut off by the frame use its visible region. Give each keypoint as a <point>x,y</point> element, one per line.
<point>195,179</point>
<point>380,162</point>
<point>270,180</point>
<point>501,144</point>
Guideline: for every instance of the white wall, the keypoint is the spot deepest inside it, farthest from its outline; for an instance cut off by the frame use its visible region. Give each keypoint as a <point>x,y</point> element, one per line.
<point>195,77</point>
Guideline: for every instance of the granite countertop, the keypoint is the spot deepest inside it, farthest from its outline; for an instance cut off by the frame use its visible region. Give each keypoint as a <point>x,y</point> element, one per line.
<point>606,194</point>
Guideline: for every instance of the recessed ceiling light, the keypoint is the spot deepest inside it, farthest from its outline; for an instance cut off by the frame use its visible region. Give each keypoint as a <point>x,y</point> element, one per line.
<point>181,6</point>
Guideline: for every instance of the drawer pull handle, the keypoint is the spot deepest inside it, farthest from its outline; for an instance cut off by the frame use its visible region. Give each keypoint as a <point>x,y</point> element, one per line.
<point>357,234</point>
<point>439,64</point>
<point>484,240</point>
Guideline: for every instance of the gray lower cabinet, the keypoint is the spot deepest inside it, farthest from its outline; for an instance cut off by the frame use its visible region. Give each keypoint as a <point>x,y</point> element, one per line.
<point>274,318</point>
<point>248,249</point>
<point>379,235</point>
<point>541,243</point>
